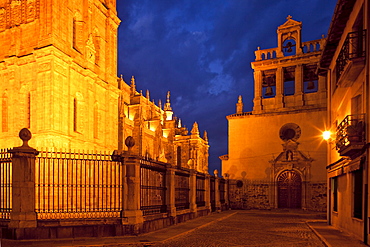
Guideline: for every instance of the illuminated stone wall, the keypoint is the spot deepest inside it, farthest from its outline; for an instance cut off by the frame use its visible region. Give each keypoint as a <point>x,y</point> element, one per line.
<point>58,77</point>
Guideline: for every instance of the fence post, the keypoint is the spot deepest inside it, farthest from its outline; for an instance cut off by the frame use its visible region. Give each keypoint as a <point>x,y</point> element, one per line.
<point>23,213</point>
<point>227,190</point>
<point>131,213</point>
<point>193,192</point>
<point>170,185</point>
<point>217,192</point>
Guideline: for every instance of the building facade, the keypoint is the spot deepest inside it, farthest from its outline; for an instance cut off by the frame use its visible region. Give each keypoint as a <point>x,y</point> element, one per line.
<point>276,158</point>
<point>345,63</point>
<point>58,77</point>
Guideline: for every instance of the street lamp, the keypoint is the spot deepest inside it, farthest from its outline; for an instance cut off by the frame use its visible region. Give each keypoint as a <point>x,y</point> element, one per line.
<point>326,135</point>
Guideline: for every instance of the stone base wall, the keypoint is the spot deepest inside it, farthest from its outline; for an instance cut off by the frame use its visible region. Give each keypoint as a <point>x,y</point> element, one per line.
<point>249,194</point>
<point>317,198</point>
<point>54,230</point>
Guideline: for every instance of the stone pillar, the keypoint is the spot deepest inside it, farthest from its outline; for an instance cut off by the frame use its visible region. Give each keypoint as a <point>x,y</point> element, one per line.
<point>227,189</point>
<point>132,214</point>
<point>23,213</point>
<point>298,84</point>
<point>279,98</point>
<point>257,101</point>
<point>217,192</point>
<point>193,192</point>
<point>170,193</point>
<point>321,84</point>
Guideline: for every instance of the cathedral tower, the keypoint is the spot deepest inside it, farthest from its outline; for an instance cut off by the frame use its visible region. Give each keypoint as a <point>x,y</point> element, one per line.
<point>58,72</point>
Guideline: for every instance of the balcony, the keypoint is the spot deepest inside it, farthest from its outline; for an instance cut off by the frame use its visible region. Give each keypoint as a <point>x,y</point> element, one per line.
<point>351,59</point>
<point>350,136</point>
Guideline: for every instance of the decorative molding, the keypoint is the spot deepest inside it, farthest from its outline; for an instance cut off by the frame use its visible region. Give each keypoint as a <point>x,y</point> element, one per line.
<point>18,12</point>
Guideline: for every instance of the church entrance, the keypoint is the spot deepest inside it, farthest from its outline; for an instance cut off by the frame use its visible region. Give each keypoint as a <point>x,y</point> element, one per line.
<point>289,190</point>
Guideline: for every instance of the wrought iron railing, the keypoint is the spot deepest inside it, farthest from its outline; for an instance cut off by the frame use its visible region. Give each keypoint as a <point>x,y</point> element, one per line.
<point>182,190</point>
<point>350,130</point>
<point>153,187</point>
<point>222,190</point>
<point>75,185</point>
<point>5,184</point>
<point>213,192</point>
<point>354,47</point>
<point>200,190</point>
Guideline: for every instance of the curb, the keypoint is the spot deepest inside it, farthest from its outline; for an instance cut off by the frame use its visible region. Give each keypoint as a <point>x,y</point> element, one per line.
<point>322,239</point>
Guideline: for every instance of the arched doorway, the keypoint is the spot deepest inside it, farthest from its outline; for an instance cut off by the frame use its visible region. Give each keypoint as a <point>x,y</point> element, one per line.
<point>289,190</point>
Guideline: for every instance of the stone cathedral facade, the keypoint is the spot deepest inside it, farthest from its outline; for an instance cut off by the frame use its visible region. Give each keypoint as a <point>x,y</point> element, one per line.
<point>58,77</point>
<point>276,157</point>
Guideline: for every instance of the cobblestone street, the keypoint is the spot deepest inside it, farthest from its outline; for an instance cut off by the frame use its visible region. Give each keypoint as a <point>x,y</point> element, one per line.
<point>252,228</point>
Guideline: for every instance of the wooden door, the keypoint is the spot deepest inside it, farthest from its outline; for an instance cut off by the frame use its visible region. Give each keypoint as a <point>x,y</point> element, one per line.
<point>289,190</point>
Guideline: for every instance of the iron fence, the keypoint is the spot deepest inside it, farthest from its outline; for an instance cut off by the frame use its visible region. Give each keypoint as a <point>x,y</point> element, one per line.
<point>152,186</point>
<point>5,184</point>
<point>213,192</point>
<point>76,185</point>
<point>222,190</point>
<point>182,190</point>
<point>200,190</point>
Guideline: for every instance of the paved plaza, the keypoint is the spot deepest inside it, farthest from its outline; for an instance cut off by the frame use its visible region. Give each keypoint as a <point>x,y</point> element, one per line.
<point>253,228</point>
<point>285,228</point>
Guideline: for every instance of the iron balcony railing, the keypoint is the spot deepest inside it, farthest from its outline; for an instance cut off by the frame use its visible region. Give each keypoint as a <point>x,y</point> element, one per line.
<point>354,47</point>
<point>350,131</point>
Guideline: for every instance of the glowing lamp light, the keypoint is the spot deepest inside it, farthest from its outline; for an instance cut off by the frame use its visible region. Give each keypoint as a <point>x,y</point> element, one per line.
<point>326,135</point>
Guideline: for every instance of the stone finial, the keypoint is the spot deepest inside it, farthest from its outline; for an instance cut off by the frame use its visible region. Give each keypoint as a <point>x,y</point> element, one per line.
<point>133,86</point>
<point>160,104</point>
<point>205,136</point>
<point>25,135</point>
<point>147,94</point>
<point>195,130</point>
<point>289,17</point>
<point>239,105</point>
<point>130,142</point>
<point>215,172</point>
<point>167,106</point>
<point>179,123</point>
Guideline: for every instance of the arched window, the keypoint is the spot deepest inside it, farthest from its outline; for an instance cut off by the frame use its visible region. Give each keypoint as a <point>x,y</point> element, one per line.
<point>77,40</point>
<point>97,45</point>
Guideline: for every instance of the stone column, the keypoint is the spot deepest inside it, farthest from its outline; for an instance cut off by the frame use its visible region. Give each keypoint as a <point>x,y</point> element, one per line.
<point>227,189</point>
<point>321,84</point>
<point>193,192</point>
<point>132,214</point>
<point>257,101</point>
<point>298,83</point>
<point>217,192</point>
<point>170,193</point>
<point>279,98</point>
<point>23,213</point>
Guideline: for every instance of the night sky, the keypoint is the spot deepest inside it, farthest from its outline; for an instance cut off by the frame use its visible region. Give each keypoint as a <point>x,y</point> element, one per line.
<point>201,51</point>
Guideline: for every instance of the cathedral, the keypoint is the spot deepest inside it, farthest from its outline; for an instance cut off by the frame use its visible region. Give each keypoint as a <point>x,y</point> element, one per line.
<point>58,78</point>
<point>276,157</point>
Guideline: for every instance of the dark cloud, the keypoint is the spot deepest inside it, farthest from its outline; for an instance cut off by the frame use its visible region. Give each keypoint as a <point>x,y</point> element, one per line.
<point>201,51</point>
